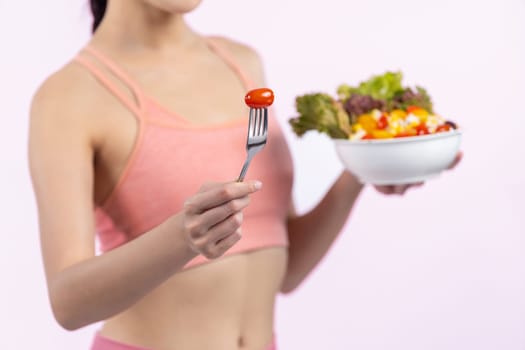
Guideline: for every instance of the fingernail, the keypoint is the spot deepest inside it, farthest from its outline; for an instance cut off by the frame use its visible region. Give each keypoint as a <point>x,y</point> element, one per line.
<point>257,185</point>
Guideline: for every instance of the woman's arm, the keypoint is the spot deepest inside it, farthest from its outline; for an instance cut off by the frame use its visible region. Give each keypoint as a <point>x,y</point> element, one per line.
<point>312,234</point>
<point>84,288</point>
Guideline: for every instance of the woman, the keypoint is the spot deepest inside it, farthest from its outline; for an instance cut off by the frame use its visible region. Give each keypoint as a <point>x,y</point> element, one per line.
<point>129,150</point>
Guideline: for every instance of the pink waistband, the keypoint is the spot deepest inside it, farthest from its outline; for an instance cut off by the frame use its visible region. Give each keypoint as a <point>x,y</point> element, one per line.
<point>103,343</point>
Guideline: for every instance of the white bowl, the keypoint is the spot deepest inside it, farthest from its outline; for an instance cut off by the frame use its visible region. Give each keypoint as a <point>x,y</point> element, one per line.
<point>399,160</point>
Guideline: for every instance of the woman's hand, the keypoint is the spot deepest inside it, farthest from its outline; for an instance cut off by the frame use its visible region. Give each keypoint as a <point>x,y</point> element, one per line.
<point>401,189</point>
<point>212,218</point>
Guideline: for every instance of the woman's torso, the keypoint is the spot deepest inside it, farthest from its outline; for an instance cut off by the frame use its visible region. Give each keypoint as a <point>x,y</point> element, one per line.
<point>226,304</point>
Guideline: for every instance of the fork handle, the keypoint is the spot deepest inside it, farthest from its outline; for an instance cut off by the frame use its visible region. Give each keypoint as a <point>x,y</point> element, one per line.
<point>244,169</point>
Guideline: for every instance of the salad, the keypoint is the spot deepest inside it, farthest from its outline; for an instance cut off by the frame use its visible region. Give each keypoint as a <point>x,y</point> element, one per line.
<point>379,108</point>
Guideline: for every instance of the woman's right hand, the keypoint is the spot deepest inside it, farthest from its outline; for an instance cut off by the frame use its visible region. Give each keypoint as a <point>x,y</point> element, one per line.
<point>212,218</point>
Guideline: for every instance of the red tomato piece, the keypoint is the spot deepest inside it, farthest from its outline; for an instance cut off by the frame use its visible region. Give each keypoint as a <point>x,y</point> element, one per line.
<point>410,109</point>
<point>443,128</point>
<point>422,129</point>
<point>382,123</point>
<point>259,98</point>
<point>367,137</point>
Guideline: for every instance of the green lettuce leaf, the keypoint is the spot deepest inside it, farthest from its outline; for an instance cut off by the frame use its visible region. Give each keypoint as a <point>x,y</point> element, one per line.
<point>380,87</point>
<point>320,112</point>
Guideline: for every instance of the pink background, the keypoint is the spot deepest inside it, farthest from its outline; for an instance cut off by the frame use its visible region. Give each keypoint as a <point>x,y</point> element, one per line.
<point>441,268</point>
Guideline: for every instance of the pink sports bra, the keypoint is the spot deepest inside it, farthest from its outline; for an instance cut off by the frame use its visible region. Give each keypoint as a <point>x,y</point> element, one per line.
<point>172,158</point>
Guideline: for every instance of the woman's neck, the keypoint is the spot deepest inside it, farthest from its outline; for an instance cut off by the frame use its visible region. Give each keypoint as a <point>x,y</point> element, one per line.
<point>134,25</point>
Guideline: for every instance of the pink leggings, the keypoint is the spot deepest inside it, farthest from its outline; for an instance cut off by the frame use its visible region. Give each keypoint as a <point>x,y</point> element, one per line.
<point>102,343</point>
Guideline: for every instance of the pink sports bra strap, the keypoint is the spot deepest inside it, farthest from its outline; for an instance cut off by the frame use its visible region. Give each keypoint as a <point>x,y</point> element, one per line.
<point>115,69</point>
<point>97,60</point>
<point>135,103</point>
<point>110,85</point>
<point>230,60</point>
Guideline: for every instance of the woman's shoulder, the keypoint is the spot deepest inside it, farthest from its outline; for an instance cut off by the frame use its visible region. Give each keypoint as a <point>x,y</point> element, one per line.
<point>71,85</point>
<point>67,97</point>
<point>71,90</point>
<point>245,55</point>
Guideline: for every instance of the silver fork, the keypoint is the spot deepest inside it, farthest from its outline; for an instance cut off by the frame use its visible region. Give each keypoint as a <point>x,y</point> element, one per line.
<point>257,135</point>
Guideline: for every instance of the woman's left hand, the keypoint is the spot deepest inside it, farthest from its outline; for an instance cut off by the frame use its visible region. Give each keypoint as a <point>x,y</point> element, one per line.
<point>401,189</point>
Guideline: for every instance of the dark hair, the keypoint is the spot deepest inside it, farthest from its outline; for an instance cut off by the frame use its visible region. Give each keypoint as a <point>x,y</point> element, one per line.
<point>98,9</point>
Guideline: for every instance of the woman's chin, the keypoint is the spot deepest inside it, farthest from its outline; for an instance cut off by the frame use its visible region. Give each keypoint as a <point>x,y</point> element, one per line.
<point>176,6</point>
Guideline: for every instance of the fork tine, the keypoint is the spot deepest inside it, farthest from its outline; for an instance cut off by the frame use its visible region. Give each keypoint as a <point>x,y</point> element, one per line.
<point>258,129</point>
<point>265,130</point>
<point>251,122</point>
<point>254,123</point>
<point>257,123</point>
<point>261,126</point>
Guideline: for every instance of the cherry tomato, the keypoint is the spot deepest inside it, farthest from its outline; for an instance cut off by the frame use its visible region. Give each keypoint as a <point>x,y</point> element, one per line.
<point>422,129</point>
<point>259,98</point>
<point>382,123</point>
<point>443,128</point>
